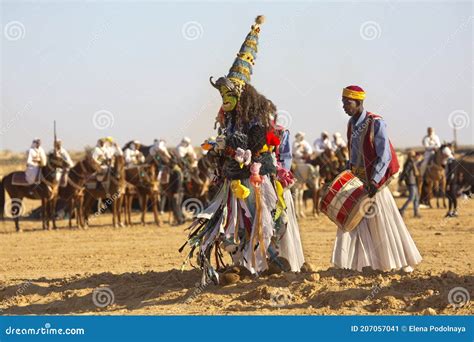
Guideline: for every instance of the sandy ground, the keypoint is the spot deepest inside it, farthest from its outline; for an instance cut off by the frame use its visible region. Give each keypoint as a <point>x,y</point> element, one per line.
<point>136,270</point>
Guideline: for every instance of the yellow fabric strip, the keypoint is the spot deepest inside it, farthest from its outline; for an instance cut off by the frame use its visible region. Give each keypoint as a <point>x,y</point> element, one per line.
<point>352,94</point>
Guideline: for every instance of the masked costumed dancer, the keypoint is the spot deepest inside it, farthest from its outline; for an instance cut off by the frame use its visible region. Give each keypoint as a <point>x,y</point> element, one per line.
<point>252,215</point>
<point>381,241</point>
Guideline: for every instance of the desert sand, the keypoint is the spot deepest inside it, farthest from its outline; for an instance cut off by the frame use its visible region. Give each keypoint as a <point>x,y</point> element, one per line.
<point>137,270</point>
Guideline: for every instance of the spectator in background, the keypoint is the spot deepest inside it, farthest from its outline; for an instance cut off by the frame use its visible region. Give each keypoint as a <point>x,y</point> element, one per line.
<point>451,186</point>
<point>175,190</point>
<point>410,175</point>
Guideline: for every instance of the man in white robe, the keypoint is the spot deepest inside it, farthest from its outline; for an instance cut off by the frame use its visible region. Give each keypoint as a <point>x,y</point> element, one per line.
<point>36,158</point>
<point>322,144</point>
<point>186,152</point>
<point>381,240</point>
<point>301,148</point>
<point>133,156</point>
<point>61,174</point>
<point>431,143</point>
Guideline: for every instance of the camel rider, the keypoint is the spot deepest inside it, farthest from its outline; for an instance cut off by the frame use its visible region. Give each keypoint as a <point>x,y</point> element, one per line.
<point>133,155</point>
<point>338,141</point>
<point>61,174</point>
<point>431,143</point>
<point>36,158</point>
<point>186,152</point>
<point>322,143</point>
<point>301,148</point>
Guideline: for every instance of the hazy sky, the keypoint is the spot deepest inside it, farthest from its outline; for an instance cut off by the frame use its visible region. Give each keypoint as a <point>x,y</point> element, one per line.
<point>139,70</point>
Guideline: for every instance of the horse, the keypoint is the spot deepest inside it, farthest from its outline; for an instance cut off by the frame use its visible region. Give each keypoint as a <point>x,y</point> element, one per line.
<point>73,192</point>
<point>144,184</point>
<point>46,190</point>
<point>435,178</point>
<point>114,195</point>
<point>306,175</point>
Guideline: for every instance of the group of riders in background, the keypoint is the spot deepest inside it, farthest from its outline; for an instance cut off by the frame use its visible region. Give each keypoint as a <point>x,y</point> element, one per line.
<point>110,177</point>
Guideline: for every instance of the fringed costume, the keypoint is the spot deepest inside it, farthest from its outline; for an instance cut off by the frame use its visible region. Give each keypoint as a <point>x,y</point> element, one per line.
<point>252,215</point>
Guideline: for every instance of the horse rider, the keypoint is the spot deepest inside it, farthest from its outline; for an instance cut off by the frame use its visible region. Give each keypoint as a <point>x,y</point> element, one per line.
<point>186,152</point>
<point>159,152</point>
<point>322,144</point>
<point>338,142</point>
<point>159,149</point>
<point>99,155</point>
<point>61,174</point>
<point>301,148</point>
<point>431,143</point>
<point>36,158</point>
<point>133,155</point>
<point>112,149</point>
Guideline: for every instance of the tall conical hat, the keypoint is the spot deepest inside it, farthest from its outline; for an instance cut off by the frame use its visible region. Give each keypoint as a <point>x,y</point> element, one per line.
<point>241,69</point>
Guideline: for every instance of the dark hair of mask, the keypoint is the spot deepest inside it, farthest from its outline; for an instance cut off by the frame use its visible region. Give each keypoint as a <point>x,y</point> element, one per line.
<point>253,107</point>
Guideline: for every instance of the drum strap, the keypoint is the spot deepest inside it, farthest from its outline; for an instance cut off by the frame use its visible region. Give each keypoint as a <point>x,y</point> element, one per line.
<point>360,156</point>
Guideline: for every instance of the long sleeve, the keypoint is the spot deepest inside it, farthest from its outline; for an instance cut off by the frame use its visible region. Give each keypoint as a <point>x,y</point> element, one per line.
<point>67,157</point>
<point>382,149</point>
<point>30,157</point>
<point>318,146</point>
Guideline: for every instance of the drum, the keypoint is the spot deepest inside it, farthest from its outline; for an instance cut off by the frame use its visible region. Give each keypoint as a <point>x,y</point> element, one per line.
<point>346,201</point>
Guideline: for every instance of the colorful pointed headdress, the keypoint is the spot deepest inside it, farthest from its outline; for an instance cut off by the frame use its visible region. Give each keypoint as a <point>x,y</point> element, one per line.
<point>241,69</point>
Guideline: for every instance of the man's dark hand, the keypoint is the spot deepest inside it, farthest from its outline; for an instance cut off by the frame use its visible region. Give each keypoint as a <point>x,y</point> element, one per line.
<point>371,188</point>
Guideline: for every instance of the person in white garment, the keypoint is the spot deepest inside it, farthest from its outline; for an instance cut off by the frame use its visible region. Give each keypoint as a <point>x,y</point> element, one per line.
<point>186,152</point>
<point>62,174</point>
<point>301,148</point>
<point>431,143</point>
<point>381,241</point>
<point>112,149</point>
<point>159,149</point>
<point>35,160</point>
<point>159,152</point>
<point>338,142</point>
<point>99,154</point>
<point>133,155</point>
<point>322,143</point>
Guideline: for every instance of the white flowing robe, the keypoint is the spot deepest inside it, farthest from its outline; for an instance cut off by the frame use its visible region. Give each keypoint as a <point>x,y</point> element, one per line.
<point>35,160</point>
